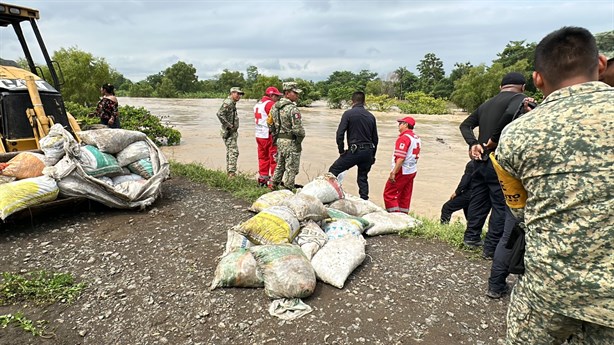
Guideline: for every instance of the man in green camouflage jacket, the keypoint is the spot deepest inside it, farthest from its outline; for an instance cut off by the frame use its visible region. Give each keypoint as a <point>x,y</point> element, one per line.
<point>230,125</point>
<point>563,154</point>
<point>288,134</point>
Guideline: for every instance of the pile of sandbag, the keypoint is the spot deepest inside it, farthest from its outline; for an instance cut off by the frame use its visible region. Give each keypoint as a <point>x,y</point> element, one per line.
<point>119,168</point>
<point>295,239</point>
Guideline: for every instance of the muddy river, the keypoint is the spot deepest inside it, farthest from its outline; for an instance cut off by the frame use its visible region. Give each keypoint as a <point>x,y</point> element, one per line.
<point>442,156</point>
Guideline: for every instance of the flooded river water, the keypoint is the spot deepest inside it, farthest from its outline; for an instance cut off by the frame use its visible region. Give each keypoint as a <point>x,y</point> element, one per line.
<point>442,157</point>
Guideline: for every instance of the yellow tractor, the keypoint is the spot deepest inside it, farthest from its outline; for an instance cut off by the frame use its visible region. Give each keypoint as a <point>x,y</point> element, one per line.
<point>29,105</point>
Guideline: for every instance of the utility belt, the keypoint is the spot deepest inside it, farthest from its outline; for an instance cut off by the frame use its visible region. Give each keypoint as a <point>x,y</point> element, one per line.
<point>356,147</point>
<point>286,136</point>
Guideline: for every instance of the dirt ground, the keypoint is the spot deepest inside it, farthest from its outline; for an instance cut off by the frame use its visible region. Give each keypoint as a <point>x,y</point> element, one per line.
<point>148,275</point>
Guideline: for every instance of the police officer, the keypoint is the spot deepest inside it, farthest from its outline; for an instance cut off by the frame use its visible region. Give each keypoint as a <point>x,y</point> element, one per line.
<point>361,128</point>
<point>288,134</point>
<point>230,125</point>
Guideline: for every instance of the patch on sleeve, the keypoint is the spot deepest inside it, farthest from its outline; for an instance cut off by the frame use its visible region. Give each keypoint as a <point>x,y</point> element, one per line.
<point>297,116</point>
<point>402,145</point>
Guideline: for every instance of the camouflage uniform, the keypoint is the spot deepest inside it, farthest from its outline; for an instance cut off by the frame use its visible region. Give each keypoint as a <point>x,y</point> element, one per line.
<point>563,152</point>
<point>230,125</point>
<point>288,131</point>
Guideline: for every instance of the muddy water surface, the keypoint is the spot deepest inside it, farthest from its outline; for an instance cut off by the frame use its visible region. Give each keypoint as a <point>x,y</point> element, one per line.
<point>442,157</point>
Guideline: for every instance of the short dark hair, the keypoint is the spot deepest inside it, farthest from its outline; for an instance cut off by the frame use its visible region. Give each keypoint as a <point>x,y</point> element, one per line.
<point>109,88</point>
<point>358,97</point>
<point>568,52</point>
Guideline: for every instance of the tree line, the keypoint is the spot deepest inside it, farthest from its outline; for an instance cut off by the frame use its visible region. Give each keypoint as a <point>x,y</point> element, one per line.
<point>467,86</point>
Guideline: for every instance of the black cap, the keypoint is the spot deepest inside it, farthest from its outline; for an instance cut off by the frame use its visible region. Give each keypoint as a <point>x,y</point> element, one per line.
<point>513,78</point>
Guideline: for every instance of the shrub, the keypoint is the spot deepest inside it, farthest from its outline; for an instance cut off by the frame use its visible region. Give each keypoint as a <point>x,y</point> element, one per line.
<point>420,103</point>
<point>379,103</point>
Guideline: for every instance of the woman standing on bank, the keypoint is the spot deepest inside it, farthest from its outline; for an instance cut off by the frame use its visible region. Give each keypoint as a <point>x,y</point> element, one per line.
<point>108,107</point>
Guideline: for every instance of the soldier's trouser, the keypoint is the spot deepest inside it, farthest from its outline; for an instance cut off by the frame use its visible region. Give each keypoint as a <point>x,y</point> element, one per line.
<point>486,194</point>
<point>528,325</point>
<point>266,158</point>
<point>232,152</point>
<point>397,194</point>
<point>501,260</point>
<point>460,202</point>
<point>288,163</point>
<point>363,158</point>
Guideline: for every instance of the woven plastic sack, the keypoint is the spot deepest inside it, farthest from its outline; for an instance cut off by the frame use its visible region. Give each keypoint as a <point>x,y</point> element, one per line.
<point>311,238</point>
<point>336,214</point>
<point>274,198</point>
<point>326,188</point>
<point>132,153</point>
<point>306,207</point>
<point>337,228</point>
<point>389,223</point>
<point>55,143</point>
<point>17,195</point>
<point>142,167</point>
<point>334,262</point>
<point>355,206</point>
<point>286,272</point>
<point>274,225</point>
<point>96,163</point>
<point>236,269</point>
<point>127,178</point>
<point>111,140</point>
<point>235,240</point>
<point>25,165</point>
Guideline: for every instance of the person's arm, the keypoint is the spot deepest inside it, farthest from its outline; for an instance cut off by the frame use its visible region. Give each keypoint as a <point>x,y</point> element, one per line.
<point>343,126</point>
<point>375,138</point>
<point>223,115</point>
<point>467,126</point>
<point>398,163</point>
<point>297,125</point>
<point>465,180</point>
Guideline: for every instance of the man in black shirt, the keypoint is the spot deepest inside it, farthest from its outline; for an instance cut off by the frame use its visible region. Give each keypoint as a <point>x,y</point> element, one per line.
<point>486,192</point>
<point>362,138</point>
<point>459,200</point>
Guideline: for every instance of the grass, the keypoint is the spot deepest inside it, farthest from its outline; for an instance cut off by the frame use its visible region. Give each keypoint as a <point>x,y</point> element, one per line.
<point>19,320</point>
<point>40,287</point>
<point>245,187</point>
<point>241,186</point>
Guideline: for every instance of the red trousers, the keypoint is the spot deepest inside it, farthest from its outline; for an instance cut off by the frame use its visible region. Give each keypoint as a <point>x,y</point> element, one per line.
<point>266,158</point>
<point>397,195</point>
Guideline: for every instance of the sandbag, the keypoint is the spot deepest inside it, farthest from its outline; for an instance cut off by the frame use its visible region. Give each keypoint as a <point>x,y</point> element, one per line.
<point>132,153</point>
<point>236,269</point>
<point>235,240</point>
<point>337,228</point>
<point>127,178</point>
<point>274,225</point>
<point>306,207</point>
<point>310,238</point>
<point>334,262</point>
<point>111,140</point>
<point>274,198</point>
<point>355,206</point>
<point>6,179</point>
<point>24,165</point>
<point>142,167</point>
<point>389,223</point>
<point>55,144</point>
<point>326,188</point>
<point>285,270</point>
<point>336,214</point>
<point>96,163</point>
<point>17,195</point>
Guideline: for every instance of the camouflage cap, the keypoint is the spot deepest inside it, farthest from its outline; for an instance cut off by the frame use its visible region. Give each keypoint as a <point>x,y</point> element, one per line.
<point>236,89</point>
<point>291,86</point>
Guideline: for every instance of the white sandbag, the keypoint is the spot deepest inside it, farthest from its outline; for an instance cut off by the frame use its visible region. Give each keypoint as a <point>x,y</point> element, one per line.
<point>55,144</point>
<point>274,225</point>
<point>132,153</point>
<point>334,262</point>
<point>326,188</point>
<point>142,167</point>
<point>126,178</point>
<point>107,180</point>
<point>97,163</point>
<point>389,223</point>
<point>237,269</point>
<point>269,199</point>
<point>338,228</point>
<point>111,140</point>
<point>336,214</point>
<point>235,240</point>
<point>311,238</point>
<point>306,207</point>
<point>355,206</point>
<point>18,195</point>
<point>285,270</point>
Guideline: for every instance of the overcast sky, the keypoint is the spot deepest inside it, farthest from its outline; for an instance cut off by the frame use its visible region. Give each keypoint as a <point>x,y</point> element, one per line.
<point>308,39</point>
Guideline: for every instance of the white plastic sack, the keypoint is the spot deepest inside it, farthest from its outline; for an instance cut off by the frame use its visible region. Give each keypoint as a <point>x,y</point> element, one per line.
<point>127,178</point>
<point>311,238</point>
<point>132,153</point>
<point>306,207</point>
<point>389,223</point>
<point>355,206</point>
<point>269,199</point>
<point>55,144</point>
<point>326,188</point>
<point>235,240</point>
<point>111,140</point>
<point>334,262</point>
<point>236,269</point>
<point>18,195</point>
<point>338,228</point>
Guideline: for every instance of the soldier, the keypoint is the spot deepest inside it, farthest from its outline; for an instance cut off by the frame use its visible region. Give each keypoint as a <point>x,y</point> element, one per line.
<point>264,141</point>
<point>288,134</point>
<point>230,126</point>
<point>561,153</point>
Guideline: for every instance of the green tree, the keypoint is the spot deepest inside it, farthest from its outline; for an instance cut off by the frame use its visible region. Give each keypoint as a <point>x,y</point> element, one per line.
<point>431,72</point>
<point>375,87</point>
<point>182,76</point>
<point>252,76</point>
<point>339,96</point>
<point>460,69</point>
<point>141,89</point>
<point>363,78</point>
<point>154,80</point>
<point>443,89</point>
<point>516,51</point>
<point>229,79</point>
<point>260,85</point>
<point>166,89</point>
<point>83,74</point>
<point>405,81</point>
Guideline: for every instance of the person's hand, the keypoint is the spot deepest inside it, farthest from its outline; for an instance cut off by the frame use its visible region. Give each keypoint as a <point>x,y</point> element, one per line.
<point>111,121</point>
<point>528,104</point>
<point>373,161</point>
<point>491,145</point>
<point>452,196</point>
<point>391,177</point>
<point>476,152</point>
